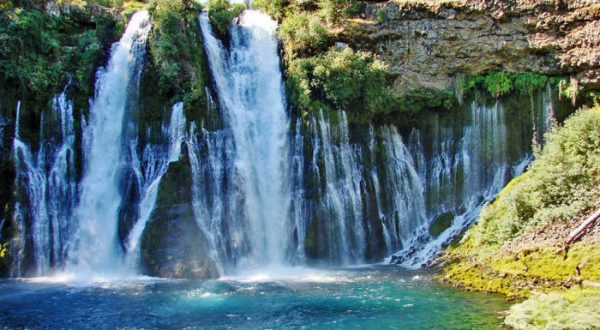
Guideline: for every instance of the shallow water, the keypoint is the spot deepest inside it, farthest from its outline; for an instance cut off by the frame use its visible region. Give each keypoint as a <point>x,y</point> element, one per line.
<point>371,297</point>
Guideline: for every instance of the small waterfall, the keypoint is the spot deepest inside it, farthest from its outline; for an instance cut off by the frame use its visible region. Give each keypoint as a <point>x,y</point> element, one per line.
<point>156,163</point>
<point>250,88</point>
<point>465,168</point>
<point>95,246</point>
<point>355,202</point>
<point>48,180</point>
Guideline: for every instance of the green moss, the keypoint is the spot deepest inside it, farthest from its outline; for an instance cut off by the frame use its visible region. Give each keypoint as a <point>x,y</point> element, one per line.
<point>441,223</point>
<point>562,183</point>
<point>570,309</point>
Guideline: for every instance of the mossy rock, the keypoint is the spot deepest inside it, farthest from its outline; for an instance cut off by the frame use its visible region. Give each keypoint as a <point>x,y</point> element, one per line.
<point>441,223</point>
<point>172,243</point>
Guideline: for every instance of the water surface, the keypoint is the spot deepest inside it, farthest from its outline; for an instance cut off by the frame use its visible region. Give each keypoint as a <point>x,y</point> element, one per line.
<point>370,297</point>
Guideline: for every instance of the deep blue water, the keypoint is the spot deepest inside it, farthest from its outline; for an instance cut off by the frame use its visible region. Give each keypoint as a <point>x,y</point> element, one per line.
<point>367,298</point>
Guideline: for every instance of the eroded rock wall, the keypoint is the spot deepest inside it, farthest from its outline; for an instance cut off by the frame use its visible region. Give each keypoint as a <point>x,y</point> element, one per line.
<point>426,44</point>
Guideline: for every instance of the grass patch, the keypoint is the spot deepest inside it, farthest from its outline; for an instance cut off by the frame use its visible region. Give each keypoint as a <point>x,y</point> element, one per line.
<point>571,309</point>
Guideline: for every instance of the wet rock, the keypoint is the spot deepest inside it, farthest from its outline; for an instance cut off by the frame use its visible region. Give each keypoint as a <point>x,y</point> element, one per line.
<point>172,243</point>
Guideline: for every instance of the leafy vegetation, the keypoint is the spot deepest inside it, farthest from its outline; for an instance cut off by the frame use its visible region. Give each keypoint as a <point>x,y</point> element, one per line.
<point>304,34</point>
<point>500,83</point>
<point>176,50</point>
<point>562,182</point>
<point>37,49</point>
<point>221,14</point>
<point>333,11</point>
<point>341,77</point>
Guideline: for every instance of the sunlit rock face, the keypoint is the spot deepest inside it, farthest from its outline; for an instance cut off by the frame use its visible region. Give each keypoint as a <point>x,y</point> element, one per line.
<point>425,46</point>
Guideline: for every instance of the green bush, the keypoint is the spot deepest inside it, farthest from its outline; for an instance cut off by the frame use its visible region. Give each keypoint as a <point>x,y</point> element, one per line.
<point>345,79</point>
<point>572,309</point>
<point>333,11</point>
<point>221,14</point>
<point>498,83</point>
<point>274,8</point>
<point>40,53</point>
<point>304,34</point>
<point>176,49</point>
<point>527,83</point>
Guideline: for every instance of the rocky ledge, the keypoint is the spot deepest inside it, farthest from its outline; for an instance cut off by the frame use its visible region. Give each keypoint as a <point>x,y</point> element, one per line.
<point>428,44</point>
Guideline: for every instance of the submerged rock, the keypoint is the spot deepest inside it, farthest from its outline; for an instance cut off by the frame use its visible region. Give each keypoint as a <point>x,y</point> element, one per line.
<point>172,243</point>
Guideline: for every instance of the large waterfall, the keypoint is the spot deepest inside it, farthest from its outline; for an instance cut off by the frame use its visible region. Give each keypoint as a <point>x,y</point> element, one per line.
<point>250,88</point>
<point>263,188</point>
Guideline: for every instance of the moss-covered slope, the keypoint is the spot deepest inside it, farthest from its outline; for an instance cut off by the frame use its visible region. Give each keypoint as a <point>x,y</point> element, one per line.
<point>518,246</point>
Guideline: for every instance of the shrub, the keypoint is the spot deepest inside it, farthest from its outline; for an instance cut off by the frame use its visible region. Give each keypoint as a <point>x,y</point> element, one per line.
<point>37,49</point>
<point>527,83</point>
<point>498,83</point>
<point>304,34</point>
<point>176,49</point>
<point>274,8</point>
<point>572,309</point>
<point>333,11</point>
<point>345,79</point>
<point>221,14</point>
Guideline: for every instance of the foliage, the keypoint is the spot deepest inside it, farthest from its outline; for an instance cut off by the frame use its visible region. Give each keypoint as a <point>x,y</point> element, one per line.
<point>333,11</point>
<point>381,16</point>
<point>571,309</point>
<point>176,49</point>
<point>304,34</point>
<point>274,8</point>
<point>37,49</point>
<point>499,83</point>
<point>527,83</point>
<point>342,78</point>
<point>221,15</point>
<point>3,250</point>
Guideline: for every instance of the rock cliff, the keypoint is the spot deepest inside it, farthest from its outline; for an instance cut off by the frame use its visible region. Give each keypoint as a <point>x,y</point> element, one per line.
<point>428,44</point>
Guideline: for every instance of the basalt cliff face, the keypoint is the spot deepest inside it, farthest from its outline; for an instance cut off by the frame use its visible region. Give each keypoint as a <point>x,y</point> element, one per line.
<point>428,45</point>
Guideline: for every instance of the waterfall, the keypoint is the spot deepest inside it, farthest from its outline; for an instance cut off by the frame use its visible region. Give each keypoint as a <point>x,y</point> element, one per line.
<point>156,163</point>
<point>95,246</point>
<point>250,88</point>
<point>267,188</point>
<point>354,201</point>
<point>48,179</point>
<point>466,168</point>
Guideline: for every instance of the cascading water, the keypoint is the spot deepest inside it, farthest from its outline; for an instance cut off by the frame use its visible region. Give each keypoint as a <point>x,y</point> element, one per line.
<point>249,84</point>
<point>340,213</point>
<point>156,163</point>
<point>266,189</point>
<point>465,169</point>
<point>95,247</point>
<point>49,181</point>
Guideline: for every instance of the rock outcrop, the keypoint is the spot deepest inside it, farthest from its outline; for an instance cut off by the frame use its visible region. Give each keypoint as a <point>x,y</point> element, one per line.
<point>172,243</point>
<point>427,44</point>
